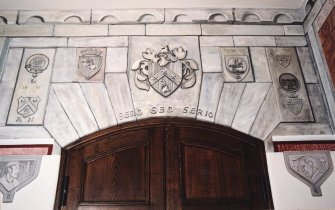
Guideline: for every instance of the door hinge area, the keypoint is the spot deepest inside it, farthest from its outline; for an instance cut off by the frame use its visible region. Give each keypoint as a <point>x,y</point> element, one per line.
<point>65,190</point>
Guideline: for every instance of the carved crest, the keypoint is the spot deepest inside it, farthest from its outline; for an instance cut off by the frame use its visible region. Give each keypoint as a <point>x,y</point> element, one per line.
<point>27,105</point>
<point>16,172</point>
<point>165,71</point>
<point>310,167</point>
<point>237,66</point>
<point>90,62</point>
<point>36,64</point>
<point>294,104</point>
<point>284,60</point>
<point>289,82</point>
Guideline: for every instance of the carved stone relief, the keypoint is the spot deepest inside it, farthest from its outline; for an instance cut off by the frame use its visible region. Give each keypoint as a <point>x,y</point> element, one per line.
<point>311,167</point>
<point>165,75</point>
<point>91,64</point>
<point>16,172</point>
<point>30,95</point>
<point>236,65</point>
<point>165,71</point>
<point>290,89</point>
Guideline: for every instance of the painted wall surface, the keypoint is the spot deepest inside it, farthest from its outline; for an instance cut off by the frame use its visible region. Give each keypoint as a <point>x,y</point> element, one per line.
<point>117,4</point>
<point>290,193</point>
<point>40,193</point>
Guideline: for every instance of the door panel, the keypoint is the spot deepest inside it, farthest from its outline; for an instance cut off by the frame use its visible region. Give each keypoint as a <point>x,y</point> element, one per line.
<point>168,164</point>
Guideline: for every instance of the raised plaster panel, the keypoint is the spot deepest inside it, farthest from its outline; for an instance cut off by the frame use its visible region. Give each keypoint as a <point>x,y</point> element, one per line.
<point>216,41</point>
<point>57,122</point>
<point>130,30</point>
<point>267,117</point>
<point>254,41</point>
<point>173,29</point>
<point>211,59</point>
<point>153,98</point>
<point>211,88</point>
<point>23,132</point>
<point>290,41</point>
<point>199,15</point>
<point>289,85</point>
<point>307,65</point>
<point>260,64</point>
<point>117,41</point>
<point>4,48</point>
<point>6,93</point>
<point>236,65</point>
<point>54,16</point>
<point>97,98</point>
<point>127,16</point>
<point>39,42</point>
<point>74,104</point>
<point>27,30</point>
<point>323,14</point>
<point>228,103</point>
<point>119,93</point>
<point>91,63</point>
<point>12,66</point>
<point>309,20</point>
<point>65,65</point>
<point>284,129</point>
<point>117,60</point>
<point>249,105</point>
<point>242,30</point>
<point>294,30</point>
<point>8,17</point>
<point>261,15</point>
<point>80,30</point>
<point>317,103</point>
<point>32,87</point>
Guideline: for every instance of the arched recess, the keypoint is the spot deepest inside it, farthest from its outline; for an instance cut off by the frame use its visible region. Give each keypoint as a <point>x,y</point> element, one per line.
<point>165,163</point>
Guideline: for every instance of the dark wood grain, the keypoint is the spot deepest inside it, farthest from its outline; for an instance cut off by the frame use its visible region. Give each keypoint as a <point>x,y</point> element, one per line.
<point>303,146</point>
<point>327,37</point>
<point>168,164</point>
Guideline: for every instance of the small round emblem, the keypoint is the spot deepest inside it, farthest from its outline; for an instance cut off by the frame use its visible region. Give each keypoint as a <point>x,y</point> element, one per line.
<point>36,64</point>
<point>289,82</point>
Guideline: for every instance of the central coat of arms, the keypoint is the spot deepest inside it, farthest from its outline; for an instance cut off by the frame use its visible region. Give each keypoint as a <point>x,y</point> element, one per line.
<point>165,71</point>
<point>238,66</point>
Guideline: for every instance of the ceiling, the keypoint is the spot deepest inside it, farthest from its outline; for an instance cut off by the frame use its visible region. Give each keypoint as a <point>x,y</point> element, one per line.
<point>115,4</point>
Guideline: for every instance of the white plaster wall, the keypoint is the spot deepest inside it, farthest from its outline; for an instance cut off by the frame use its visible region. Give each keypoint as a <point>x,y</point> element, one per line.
<point>115,4</point>
<point>290,193</point>
<point>40,193</point>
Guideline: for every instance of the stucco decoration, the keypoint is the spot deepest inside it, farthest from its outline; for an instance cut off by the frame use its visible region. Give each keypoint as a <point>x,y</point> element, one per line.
<point>165,71</point>
<point>311,167</point>
<point>16,172</point>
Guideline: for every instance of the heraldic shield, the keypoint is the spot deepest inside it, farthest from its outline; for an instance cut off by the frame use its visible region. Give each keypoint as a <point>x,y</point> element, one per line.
<point>16,172</point>
<point>27,105</point>
<point>310,167</point>
<point>237,66</point>
<point>90,62</point>
<point>165,71</point>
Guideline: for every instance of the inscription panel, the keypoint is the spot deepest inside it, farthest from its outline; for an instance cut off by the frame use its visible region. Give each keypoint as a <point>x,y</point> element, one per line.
<point>165,76</point>
<point>30,95</point>
<point>289,85</point>
<point>236,65</point>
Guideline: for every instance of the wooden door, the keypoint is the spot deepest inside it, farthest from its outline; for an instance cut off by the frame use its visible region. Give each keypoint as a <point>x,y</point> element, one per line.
<point>167,164</point>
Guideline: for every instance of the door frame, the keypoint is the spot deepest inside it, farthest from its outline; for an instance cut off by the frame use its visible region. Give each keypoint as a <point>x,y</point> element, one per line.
<point>164,122</point>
